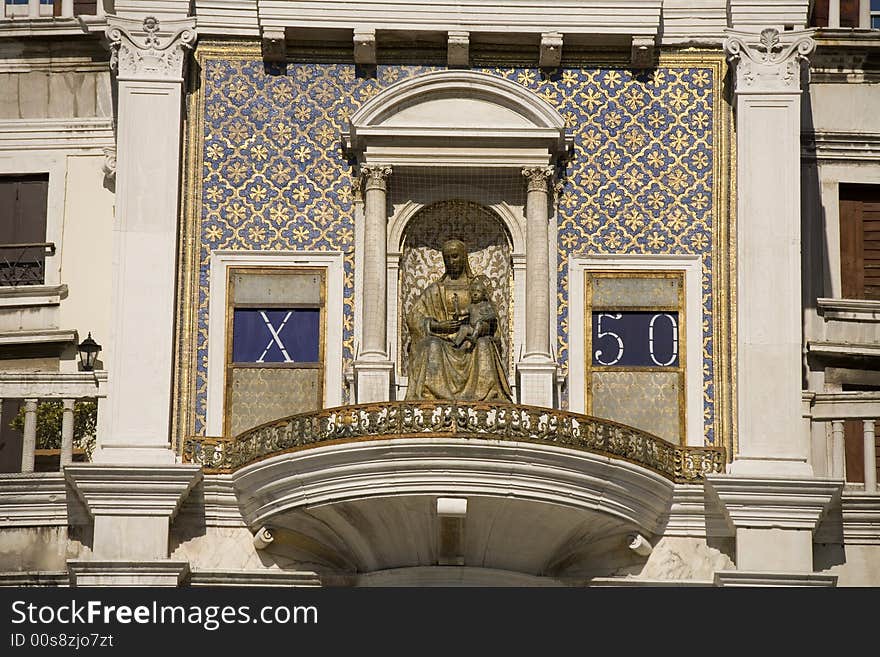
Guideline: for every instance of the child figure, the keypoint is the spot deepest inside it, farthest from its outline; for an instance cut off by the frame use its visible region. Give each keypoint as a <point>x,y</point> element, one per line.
<point>481,316</point>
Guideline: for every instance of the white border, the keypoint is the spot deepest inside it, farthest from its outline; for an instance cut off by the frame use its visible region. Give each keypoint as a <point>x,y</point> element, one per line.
<point>220,262</point>
<point>692,266</point>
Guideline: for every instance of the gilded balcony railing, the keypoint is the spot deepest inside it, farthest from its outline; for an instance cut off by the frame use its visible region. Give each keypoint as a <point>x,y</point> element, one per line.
<point>502,422</point>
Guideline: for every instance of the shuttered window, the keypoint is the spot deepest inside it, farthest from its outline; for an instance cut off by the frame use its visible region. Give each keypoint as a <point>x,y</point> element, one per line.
<point>23,246</point>
<point>860,241</point>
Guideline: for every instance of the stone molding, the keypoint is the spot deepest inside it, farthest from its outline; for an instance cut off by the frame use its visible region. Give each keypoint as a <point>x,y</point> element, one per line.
<point>743,578</point>
<point>612,17</point>
<point>149,50</point>
<point>692,515</point>
<point>768,62</point>
<point>522,129</point>
<point>766,503</point>
<point>54,385</point>
<point>452,467</point>
<point>633,582</point>
<point>34,499</point>
<point>31,578</point>
<point>118,572</point>
<point>69,135</point>
<point>856,521</point>
<point>824,146</point>
<point>214,502</point>
<point>131,490</point>
<point>538,178</point>
<point>271,578</point>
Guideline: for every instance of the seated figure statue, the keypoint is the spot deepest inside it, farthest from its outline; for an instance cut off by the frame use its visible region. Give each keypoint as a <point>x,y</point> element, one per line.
<point>455,354</point>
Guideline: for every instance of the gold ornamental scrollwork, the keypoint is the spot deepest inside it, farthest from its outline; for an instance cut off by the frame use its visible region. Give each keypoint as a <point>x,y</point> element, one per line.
<point>489,421</point>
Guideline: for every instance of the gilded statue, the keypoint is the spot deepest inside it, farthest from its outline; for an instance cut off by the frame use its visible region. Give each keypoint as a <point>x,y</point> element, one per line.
<point>455,350</point>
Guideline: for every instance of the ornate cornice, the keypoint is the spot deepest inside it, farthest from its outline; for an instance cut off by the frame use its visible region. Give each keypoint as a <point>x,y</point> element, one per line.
<point>375,176</point>
<point>768,62</point>
<point>148,50</point>
<point>538,178</point>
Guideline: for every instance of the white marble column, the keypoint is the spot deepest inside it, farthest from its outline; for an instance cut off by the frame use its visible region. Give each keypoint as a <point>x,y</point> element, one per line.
<point>29,440</point>
<point>149,58</point>
<point>768,98</point>
<point>536,371</point>
<point>373,370</point>
<point>771,501</point>
<point>67,427</point>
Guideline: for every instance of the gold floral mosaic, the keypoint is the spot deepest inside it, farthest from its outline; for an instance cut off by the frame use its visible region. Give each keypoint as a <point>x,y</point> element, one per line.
<point>267,172</point>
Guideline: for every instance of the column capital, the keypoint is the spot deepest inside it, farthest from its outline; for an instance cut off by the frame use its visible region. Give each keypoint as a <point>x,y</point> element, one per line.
<point>538,178</point>
<point>769,61</point>
<point>147,50</point>
<point>375,176</point>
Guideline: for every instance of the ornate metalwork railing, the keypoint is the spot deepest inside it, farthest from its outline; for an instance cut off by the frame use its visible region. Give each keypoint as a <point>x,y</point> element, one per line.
<point>505,422</point>
<point>25,263</point>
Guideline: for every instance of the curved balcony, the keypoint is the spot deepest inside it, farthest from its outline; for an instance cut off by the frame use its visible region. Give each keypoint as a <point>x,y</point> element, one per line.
<point>491,422</point>
<point>362,493</point>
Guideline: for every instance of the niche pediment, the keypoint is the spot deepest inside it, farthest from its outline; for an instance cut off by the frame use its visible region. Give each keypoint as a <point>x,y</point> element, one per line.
<point>457,118</point>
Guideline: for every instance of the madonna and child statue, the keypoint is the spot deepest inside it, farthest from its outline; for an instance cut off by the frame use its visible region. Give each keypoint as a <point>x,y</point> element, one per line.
<point>455,348</point>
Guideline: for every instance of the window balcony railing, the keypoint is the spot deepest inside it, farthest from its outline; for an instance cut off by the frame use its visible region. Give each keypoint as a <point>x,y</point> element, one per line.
<point>849,423</point>
<point>53,8</point>
<point>57,418</point>
<point>25,263</point>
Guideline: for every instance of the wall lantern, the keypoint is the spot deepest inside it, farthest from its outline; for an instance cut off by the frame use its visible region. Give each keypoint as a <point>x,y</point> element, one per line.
<point>88,353</point>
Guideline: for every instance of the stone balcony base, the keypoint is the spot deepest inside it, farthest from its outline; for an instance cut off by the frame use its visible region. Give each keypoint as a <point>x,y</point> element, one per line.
<point>118,572</point>
<point>741,578</point>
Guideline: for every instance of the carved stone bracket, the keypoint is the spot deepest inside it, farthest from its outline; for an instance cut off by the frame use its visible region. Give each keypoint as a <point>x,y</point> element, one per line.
<point>365,46</point>
<point>375,176</point>
<point>109,166</point>
<point>147,50</point>
<point>768,62</point>
<point>550,54</point>
<point>538,178</point>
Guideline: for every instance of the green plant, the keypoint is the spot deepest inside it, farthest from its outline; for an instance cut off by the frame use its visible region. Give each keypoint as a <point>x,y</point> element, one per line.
<point>49,417</point>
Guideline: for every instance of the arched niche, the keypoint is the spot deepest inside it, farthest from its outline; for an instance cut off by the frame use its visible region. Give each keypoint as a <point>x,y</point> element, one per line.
<point>421,263</point>
<point>442,137</point>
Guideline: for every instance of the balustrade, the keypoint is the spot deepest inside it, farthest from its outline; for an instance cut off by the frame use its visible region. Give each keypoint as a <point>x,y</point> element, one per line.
<point>487,421</point>
<point>831,412</point>
<point>49,408</point>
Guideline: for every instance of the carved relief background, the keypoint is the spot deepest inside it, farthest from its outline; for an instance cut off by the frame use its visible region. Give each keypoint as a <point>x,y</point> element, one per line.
<point>270,175</point>
<point>421,262</point>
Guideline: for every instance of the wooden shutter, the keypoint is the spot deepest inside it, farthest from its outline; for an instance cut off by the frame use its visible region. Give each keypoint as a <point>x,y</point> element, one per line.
<point>860,241</point>
<point>23,201</point>
<point>85,7</point>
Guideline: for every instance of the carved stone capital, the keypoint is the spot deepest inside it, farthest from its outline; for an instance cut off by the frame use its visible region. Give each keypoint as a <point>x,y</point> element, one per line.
<point>768,62</point>
<point>375,176</point>
<point>538,178</point>
<point>146,50</point>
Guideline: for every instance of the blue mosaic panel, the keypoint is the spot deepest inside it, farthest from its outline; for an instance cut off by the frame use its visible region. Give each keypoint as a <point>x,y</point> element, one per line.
<point>640,180</point>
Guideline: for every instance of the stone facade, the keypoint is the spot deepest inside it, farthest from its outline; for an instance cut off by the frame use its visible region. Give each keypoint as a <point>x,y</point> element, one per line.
<point>681,139</point>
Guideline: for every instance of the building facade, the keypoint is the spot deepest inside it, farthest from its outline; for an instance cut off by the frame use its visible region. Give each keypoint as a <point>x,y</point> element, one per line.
<point>676,206</point>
